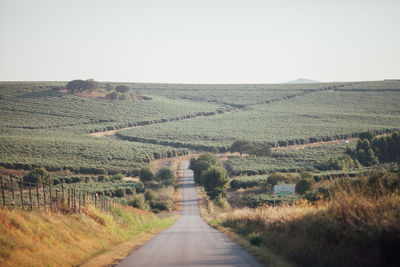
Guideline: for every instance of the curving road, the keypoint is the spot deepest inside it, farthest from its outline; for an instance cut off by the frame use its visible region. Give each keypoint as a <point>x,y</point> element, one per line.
<point>190,241</point>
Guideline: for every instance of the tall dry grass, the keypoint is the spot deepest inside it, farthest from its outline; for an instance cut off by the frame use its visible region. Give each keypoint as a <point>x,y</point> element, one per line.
<point>43,239</point>
<point>357,224</point>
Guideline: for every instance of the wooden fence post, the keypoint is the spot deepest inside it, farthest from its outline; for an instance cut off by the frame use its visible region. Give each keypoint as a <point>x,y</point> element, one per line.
<point>74,199</point>
<point>56,199</point>
<point>68,200</point>
<point>2,191</point>
<point>50,200</point>
<point>12,189</point>
<point>37,197</point>
<point>102,202</point>
<point>22,197</point>
<point>79,195</point>
<point>62,188</point>
<point>30,196</point>
<point>44,197</point>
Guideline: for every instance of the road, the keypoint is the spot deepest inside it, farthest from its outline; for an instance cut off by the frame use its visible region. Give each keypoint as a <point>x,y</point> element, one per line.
<point>190,241</point>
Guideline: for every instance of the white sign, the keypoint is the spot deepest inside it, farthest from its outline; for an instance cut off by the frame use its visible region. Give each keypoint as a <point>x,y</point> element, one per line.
<point>284,190</point>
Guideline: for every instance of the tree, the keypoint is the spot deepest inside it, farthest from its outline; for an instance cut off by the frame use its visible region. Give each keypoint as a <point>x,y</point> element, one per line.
<point>277,178</point>
<point>215,180</point>
<point>37,176</point>
<point>122,88</point>
<point>202,163</point>
<point>259,149</point>
<point>166,175</point>
<point>241,146</point>
<point>78,86</point>
<point>146,174</point>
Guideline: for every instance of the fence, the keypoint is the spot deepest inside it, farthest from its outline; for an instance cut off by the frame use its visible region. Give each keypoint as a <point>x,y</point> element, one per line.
<point>17,193</point>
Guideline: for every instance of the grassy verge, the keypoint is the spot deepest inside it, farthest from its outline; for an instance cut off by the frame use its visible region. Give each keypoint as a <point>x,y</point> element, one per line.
<point>213,214</point>
<point>357,224</point>
<point>39,239</point>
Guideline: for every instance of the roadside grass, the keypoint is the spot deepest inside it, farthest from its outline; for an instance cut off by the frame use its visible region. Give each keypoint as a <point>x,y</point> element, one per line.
<point>213,213</point>
<point>43,239</point>
<point>357,225</point>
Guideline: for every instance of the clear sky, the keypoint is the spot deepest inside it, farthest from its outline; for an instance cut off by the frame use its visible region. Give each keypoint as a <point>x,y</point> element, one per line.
<point>202,41</point>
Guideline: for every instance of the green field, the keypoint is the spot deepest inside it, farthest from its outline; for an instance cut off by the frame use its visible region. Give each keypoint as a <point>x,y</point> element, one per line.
<point>317,116</point>
<point>41,125</point>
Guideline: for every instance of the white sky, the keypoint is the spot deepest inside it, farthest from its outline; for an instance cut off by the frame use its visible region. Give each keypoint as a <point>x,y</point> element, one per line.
<point>203,41</point>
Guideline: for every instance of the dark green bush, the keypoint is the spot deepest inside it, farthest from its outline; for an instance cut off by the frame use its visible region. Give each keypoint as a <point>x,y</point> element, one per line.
<point>119,192</point>
<point>159,206</point>
<point>304,185</point>
<point>255,239</point>
<point>146,174</point>
<point>129,191</point>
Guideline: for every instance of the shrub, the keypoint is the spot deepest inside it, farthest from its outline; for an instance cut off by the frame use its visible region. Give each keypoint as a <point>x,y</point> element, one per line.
<point>119,192</point>
<point>166,175</point>
<point>129,191</point>
<point>122,88</point>
<point>146,174</point>
<point>117,177</point>
<point>202,163</point>
<point>159,206</point>
<point>139,202</point>
<point>149,195</point>
<point>277,178</point>
<point>304,185</point>
<point>215,180</point>
<point>255,239</point>
<point>37,175</point>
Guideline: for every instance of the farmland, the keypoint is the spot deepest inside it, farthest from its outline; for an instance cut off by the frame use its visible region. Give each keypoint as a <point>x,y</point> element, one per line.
<point>42,125</point>
<point>324,115</point>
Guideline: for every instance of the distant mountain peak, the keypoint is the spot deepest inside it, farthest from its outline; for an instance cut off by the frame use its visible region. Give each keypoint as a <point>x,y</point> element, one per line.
<point>302,80</point>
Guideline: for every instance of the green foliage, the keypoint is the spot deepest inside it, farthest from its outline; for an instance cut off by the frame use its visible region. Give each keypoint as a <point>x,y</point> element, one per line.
<point>77,86</point>
<point>293,160</point>
<point>343,163</point>
<point>201,164</point>
<point>122,88</point>
<point>119,192</point>
<point>248,181</point>
<point>166,175</point>
<point>149,195</point>
<point>159,206</point>
<point>146,174</point>
<point>37,176</point>
<point>278,178</point>
<point>304,185</point>
<point>265,199</point>
<point>371,150</point>
<point>255,239</point>
<point>117,177</point>
<point>214,180</point>
<point>139,202</point>
<point>260,150</point>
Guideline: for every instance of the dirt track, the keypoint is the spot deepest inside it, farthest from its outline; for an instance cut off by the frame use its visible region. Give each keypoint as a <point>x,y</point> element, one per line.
<point>190,241</point>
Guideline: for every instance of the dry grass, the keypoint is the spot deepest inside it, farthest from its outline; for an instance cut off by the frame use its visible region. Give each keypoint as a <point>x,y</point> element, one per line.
<point>357,225</point>
<point>40,239</point>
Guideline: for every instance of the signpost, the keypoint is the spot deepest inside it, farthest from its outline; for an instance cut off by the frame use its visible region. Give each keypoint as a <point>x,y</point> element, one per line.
<point>283,190</point>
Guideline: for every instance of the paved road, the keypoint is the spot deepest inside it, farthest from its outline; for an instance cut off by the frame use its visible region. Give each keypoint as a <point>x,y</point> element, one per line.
<point>190,241</point>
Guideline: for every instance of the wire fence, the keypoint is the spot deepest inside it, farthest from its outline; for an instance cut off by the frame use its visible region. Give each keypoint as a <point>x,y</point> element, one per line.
<point>19,194</point>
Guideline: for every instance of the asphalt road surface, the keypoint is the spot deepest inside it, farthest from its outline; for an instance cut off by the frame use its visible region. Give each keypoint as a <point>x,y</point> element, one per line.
<point>189,241</point>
